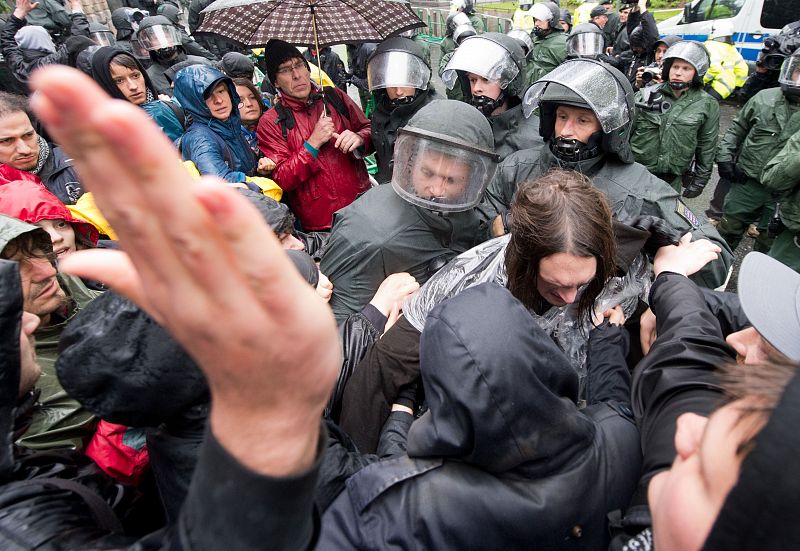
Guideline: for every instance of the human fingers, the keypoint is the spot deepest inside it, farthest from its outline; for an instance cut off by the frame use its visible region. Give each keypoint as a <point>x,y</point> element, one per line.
<point>355,142</point>
<point>615,316</point>
<point>391,319</point>
<point>647,330</point>
<point>137,179</point>
<point>338,137</point>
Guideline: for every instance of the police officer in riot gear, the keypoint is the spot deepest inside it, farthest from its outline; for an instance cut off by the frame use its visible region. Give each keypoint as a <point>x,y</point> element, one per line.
<point>549,47</point>
<point>190,45</point>
<point>677,123</point>
<point>126,21</point>
<point>588,40</point>
<point>586,110</point>
<point>162,41</point>
<point>399,78</point>
<point>492,68</point>
<point>524,39</point>
<point>443,159</point>
<point>756,135</point>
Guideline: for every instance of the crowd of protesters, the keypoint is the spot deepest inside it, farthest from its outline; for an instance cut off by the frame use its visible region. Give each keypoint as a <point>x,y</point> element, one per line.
<point>240,310</point>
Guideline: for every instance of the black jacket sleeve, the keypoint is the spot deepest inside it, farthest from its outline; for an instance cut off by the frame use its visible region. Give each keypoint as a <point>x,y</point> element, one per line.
<point>608,378</point>
<point>726,308</point>
<point>678,374</point>
<point>230,507</point>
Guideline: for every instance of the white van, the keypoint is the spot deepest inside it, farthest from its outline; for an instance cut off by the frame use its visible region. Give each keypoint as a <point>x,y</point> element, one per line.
<point>753,20</point>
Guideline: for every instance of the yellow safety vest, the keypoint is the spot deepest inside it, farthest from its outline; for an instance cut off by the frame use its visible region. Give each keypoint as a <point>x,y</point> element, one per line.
<point>522,20</point>
<point>727,71</point>
<point>583,13</point>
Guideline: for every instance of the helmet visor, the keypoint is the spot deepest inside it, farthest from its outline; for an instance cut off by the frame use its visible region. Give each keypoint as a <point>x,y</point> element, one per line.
<point>439,173</point>
<point>158,37</point>
<point>790,71</point>
<point>523,38</point>
<point>397,69</point>
<point>139,51</point>
<point>692,53</point>
<point>585,44</point>
<point>582,83</point>
<point>481,57</point>
<point>103,38</point>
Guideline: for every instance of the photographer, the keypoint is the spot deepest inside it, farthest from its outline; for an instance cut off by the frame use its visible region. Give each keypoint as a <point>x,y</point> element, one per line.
<point>677,121</point>
<point>642,36</point>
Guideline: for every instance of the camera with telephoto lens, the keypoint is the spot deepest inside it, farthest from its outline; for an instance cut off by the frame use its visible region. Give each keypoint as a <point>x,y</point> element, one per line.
<point>650,72</point>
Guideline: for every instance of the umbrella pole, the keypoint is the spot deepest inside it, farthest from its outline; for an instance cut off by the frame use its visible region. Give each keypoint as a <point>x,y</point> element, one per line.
<point>319,65</point>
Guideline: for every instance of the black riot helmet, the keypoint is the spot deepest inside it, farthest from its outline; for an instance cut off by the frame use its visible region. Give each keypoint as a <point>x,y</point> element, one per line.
<point>588,84</point>
<point>586,40</point>
<point>398,62</point>
<point>566,17</point>
<point>126,21</point>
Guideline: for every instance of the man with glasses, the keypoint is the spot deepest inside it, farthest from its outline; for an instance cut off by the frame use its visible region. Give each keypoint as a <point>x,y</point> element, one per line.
<point>317,138</point>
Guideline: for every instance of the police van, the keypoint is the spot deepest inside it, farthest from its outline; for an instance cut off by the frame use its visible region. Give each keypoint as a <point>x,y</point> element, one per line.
<point>752,21</point>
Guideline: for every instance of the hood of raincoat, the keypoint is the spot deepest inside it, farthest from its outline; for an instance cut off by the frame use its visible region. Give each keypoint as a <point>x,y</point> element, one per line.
<point>501,393</point>
<point>101,71</point>
<point>11,228</point>
<point>191,85</point>
<point>34,37</point>
<point>32,203</point>
<point>10,326</point>
<point>124,367</point>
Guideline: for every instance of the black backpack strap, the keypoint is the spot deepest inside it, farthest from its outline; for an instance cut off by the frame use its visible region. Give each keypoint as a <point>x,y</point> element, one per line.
<point>180,114</point>
<point>285,119</point>
<point>333,99</point>
<point>101,511</point>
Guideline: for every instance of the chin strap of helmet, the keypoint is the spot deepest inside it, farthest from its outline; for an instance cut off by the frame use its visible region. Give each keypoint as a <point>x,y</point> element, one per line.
<point>792,93</point>
<point>405,100</point>
<point>679,85</point>
<point>487,105</point>
<point>571,150</point>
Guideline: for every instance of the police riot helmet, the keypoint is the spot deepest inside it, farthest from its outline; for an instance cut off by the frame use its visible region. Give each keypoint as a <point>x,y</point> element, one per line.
<point>454,20</point>
<point>524,39</point>
<point>586,40</point>
<point>462,32</point>
<point>171,12</point>
<point>398,62</point>
<point>693,53</point>
<point>525,5</point>
<point>546,11</point>
<point>101,35</point>
<point>157,33</point>
<point>444,157</point>
<point>494,56</point>
<point>127,19</point>
<point>588,84</point>
<point>789,77</point>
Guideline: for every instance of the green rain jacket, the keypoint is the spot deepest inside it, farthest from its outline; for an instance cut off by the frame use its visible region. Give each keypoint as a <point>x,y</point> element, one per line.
<point>782,175</point>
<point>57,421</point>
<point>666,143</point>
<point>548,53</point>
<point>759,131</point>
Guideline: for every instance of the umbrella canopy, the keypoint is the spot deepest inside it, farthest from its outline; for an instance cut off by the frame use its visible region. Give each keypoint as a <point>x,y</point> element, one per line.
<point>255,22</point>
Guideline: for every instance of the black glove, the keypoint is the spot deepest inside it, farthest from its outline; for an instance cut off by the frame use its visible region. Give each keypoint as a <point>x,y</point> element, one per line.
<point>694,188</point>
<point>729,171</point>
<point>661,232</point>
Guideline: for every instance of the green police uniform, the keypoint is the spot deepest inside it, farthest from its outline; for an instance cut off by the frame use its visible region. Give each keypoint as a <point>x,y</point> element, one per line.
<point>754,137</point>
<point>666,143</point>
<point>782,176</point>
<point>548,53</point>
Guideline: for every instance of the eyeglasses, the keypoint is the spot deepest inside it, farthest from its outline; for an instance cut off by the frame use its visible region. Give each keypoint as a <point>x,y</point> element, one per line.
<point>297,66</point>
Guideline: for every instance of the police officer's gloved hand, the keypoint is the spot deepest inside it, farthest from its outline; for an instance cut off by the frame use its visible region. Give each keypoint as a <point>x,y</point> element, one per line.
<point>661,232</point>
<point>727,170</point>
<point>694,188</point>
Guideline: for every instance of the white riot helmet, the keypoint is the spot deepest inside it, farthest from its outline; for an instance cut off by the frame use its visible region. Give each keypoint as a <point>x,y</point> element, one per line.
<point>524,39</point>
<point>444,157</point>
<point>398,62</point>
<point>546,11</point>
<point>525,5</point>
<point>789,77</point>
<point>462,32</point>
<point>693,53</point>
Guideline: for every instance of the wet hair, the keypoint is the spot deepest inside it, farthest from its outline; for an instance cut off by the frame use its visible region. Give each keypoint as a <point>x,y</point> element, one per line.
<point>560,212</point>
<point>125,60</point>
<point>762,385</point>
<point>13,103</point>
<point>247,83</point>
<point>32,244</point>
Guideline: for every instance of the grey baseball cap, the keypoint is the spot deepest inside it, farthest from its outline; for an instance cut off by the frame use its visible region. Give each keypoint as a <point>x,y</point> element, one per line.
<point>769,292</point>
